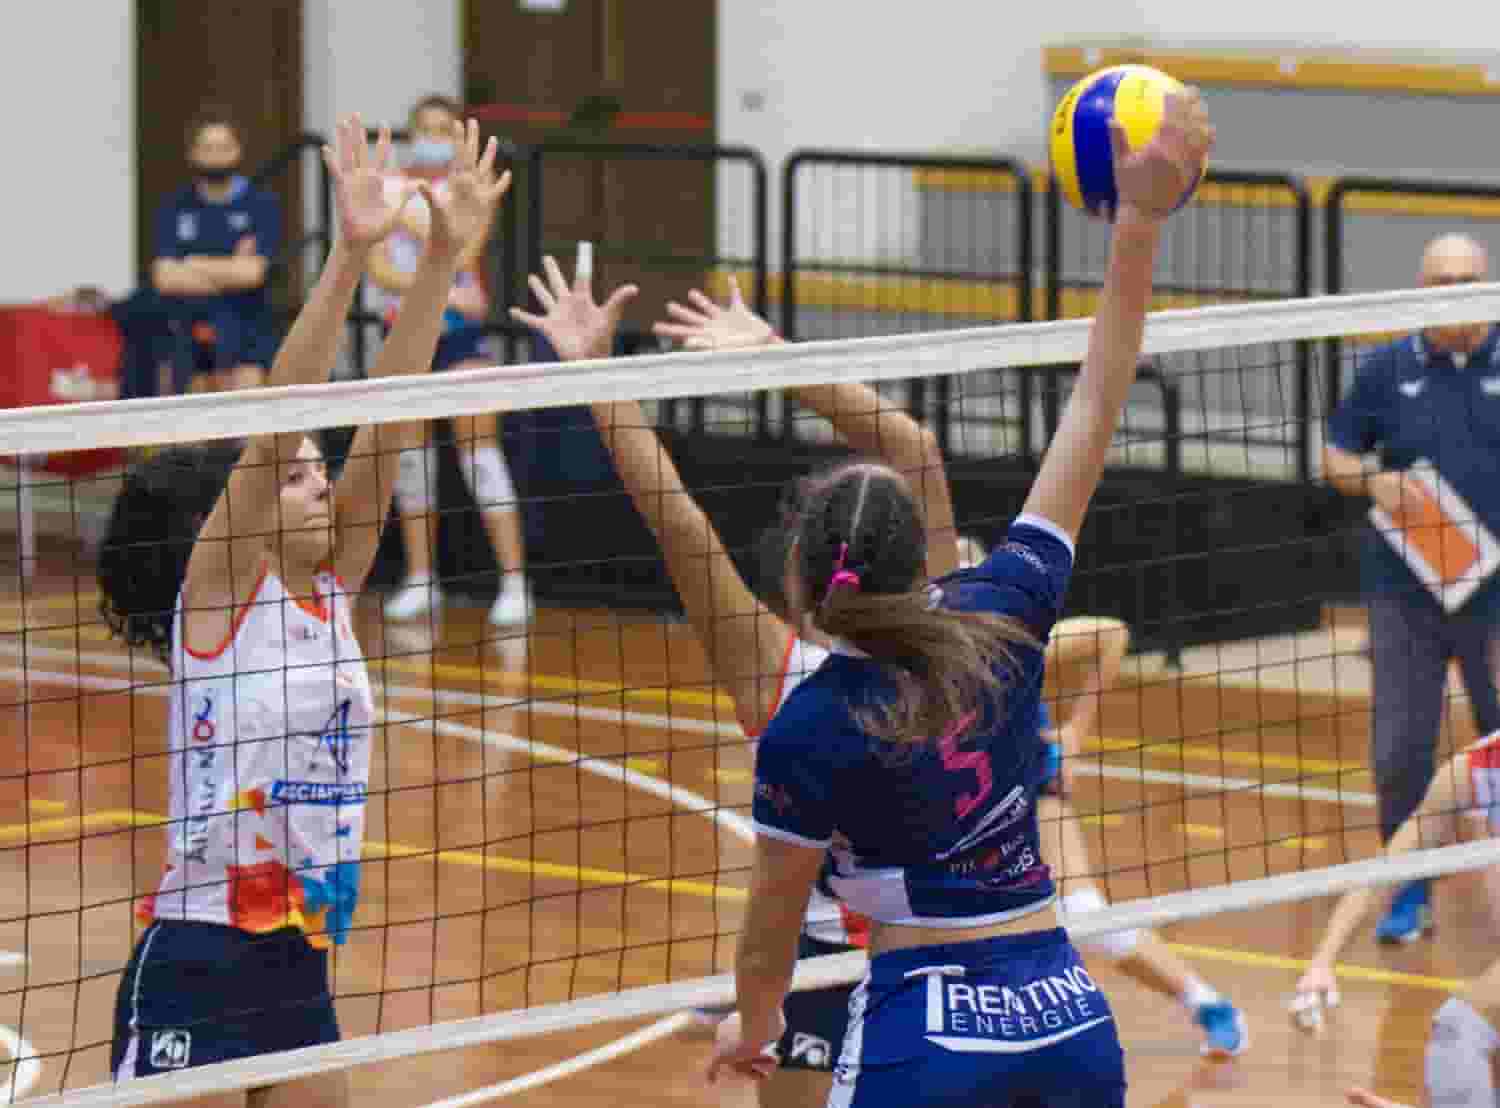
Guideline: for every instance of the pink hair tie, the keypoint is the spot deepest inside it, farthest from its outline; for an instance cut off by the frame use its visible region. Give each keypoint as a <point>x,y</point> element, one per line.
<point>842,578</point>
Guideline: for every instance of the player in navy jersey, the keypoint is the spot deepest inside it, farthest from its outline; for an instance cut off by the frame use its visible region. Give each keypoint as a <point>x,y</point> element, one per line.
<point>757,654</point>
<point>914,753</point>
<point>215,238</point>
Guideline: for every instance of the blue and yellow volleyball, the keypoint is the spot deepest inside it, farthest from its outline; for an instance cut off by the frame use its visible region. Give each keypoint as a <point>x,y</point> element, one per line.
<point>1136,95</point>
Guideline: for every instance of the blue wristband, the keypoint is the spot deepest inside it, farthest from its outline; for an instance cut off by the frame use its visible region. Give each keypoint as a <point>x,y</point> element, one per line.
<point>1053,773</point>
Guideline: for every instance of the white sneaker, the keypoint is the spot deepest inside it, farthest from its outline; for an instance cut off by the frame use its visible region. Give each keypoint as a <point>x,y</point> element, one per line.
<point>513,607</point>
<point>416,597</point>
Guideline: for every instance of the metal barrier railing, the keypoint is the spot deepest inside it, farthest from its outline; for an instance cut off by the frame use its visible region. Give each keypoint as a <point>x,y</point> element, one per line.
<point>1337,236</point>
<point>1247,236</point>
<point>644,252</point>
<point>942,278</point>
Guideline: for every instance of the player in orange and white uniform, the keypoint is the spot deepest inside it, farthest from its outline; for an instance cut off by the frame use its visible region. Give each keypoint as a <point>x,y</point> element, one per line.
<point>1463,801</point>
<point>236,570</point>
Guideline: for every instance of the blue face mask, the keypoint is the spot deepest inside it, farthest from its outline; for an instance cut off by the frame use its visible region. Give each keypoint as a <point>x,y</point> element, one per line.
<point>428,153</point>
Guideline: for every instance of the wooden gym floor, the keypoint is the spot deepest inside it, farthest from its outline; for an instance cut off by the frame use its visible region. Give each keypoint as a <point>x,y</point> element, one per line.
<point>522,803</point>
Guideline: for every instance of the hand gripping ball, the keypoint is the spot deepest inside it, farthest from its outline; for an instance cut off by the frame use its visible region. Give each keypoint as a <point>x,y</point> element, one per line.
<point>1136,95</point>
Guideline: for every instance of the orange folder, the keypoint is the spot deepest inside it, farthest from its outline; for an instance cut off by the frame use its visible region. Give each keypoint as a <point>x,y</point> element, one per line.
<point>1440,537</point>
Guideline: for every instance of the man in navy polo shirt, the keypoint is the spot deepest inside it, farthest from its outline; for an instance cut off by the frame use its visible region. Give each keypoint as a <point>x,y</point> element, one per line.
<point>1433,396</point>
<point>215,238</point>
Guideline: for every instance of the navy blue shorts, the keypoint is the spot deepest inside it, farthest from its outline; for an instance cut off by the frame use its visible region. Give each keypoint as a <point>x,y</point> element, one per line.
<point>816,1019</point>
<point>225,340</point>
<point>1015,1020</point>
<point>462,344</point>
<point>198,993</point>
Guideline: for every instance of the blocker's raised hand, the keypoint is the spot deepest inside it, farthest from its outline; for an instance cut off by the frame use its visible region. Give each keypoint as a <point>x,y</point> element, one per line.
<point>576,326</point>
<point>461,212</point>
<point>367,212</point>
<point>707,326</point>
<point>1152,180</point>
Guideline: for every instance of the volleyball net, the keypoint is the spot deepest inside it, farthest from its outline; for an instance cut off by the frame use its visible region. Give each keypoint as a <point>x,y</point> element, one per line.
<point>558,833</point>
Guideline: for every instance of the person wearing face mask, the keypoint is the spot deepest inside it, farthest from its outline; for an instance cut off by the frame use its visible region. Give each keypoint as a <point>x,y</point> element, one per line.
<point>1432,396</point>
<point>215,238</point>
<point>462,346</point>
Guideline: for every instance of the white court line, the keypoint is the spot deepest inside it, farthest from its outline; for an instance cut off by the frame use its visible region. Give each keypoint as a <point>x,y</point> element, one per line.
<point>28,1066</point>
<point>1286,790</point>
<point>657,1031</point>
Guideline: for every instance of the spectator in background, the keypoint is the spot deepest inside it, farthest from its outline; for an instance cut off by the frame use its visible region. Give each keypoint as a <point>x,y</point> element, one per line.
<point>215,238</point>
<point>462,346</point>
<point>1433,396</point>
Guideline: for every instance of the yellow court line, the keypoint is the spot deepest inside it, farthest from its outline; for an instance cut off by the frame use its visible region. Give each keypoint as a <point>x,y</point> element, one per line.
<point>1202,752</point>
<point>41,804</point>
<point>1261,960</point>
<point>120,818</point>
<point>590,875</point>
<point>109,818</point>
<point>582,874</point>
<point>1167,750</point>
<point>1201,830</point>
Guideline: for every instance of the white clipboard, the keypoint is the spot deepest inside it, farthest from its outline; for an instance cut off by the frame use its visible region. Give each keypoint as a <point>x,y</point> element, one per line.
<point>1440,537</point>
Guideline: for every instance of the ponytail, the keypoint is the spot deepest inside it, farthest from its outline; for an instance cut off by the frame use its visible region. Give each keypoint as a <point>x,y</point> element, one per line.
<point>862,546</point>
<point>942,664</point>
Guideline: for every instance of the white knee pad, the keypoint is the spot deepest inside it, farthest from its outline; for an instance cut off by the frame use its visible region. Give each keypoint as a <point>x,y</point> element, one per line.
<point>488,477</point>
<point>416,481</point>
<point>1116,944</point>
<point>1458,1057</point>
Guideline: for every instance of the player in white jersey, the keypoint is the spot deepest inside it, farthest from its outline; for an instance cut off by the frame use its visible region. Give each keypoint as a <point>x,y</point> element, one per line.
<point>756,654</point>
<point>1462,801</point>
<point>237,572</point>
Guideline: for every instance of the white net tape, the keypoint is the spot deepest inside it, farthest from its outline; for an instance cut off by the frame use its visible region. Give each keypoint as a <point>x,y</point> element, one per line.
<point>656,377</point>
<point>197,418</point>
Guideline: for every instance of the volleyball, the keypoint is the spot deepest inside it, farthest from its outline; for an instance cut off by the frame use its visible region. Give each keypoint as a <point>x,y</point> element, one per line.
<point>1082,164</point>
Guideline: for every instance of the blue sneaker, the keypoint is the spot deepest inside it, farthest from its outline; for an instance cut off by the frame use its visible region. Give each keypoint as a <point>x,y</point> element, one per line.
<point>1224,1031</point>
<point>1410,916</point>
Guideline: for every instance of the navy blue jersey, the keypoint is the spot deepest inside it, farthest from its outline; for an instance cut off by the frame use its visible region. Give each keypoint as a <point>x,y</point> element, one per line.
<point>188,224</point>
<point>935,833</point>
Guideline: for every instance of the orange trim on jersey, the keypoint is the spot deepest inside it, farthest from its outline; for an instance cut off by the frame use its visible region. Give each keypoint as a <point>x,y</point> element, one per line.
<point>319,611</point>
<point>235,622</point>
<point>786,665</point>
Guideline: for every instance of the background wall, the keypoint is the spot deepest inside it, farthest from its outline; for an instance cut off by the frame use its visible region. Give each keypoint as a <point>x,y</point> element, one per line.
<point>950,75</point>
<point>375,57</point>
<point>67,76</point>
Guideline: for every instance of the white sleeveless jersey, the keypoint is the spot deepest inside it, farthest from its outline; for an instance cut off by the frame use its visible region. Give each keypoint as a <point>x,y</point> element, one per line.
<point>269,767</point>
<point>827,920</point>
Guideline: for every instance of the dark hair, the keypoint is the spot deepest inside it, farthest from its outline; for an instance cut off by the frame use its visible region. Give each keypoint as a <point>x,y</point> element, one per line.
<point>212,115</point>
<point>774,545</point>
<point>439,101</point>
<point>152,528</point>
<point>862,550</point>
